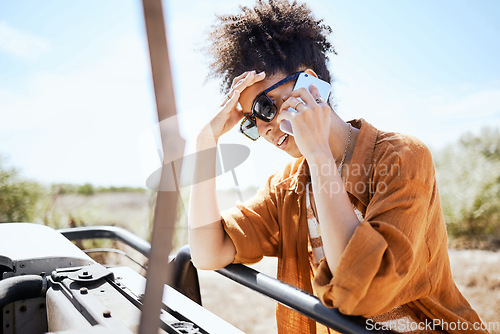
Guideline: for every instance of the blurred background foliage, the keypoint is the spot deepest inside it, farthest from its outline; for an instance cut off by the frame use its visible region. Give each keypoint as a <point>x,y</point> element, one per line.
<point>468,175</point>
<point>18,197</point>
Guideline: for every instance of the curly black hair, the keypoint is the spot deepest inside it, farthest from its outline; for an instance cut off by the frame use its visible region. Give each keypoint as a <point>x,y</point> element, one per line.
<point>274,36</point>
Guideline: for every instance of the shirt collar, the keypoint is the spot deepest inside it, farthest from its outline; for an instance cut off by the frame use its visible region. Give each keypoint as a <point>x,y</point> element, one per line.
<point>298,180</point>
<point>361,166</point>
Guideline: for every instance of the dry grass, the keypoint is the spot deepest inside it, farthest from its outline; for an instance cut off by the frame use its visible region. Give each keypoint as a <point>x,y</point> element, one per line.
<point>131,210</point>
<point>248,310</point>
<point>477,274</point>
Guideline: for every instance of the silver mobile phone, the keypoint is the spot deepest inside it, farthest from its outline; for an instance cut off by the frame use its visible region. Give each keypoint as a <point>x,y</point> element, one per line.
<point>305,80</point>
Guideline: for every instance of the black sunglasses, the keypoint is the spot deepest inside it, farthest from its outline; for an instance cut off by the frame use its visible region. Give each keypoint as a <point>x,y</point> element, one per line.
<point>263,108</point>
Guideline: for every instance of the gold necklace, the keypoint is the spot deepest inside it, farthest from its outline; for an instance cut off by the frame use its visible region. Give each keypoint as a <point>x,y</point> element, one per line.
<point>345,150</point>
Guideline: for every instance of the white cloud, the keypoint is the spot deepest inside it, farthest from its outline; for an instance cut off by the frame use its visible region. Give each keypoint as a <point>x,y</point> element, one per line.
<point>21,44</point>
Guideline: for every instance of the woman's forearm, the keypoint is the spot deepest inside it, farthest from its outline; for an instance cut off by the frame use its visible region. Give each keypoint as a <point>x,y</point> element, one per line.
<point>335,213</point>
<point>211,248</point>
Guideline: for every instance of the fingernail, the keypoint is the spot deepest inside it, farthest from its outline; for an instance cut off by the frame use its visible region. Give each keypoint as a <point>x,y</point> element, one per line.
<point>263,72</point>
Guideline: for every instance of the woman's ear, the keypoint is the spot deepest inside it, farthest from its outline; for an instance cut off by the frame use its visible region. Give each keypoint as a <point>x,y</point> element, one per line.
<point>311,72</point>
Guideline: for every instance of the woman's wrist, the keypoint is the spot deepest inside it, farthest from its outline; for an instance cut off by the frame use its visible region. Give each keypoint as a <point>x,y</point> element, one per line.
<point>206,139</point>
<point>322,164</point>
<point>319,156</point>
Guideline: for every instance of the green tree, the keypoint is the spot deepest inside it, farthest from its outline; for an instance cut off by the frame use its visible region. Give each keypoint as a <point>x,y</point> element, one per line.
<point>487,143</point>
<point>469,181</point>
<point>87,189</point>
<point>18,198</point>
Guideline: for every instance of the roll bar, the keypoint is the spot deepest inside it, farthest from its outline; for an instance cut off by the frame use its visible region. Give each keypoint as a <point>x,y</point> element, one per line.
<point>283,293</point>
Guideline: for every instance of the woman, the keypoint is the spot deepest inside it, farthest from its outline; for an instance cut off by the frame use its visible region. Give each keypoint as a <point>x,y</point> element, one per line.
<point>355,218</point>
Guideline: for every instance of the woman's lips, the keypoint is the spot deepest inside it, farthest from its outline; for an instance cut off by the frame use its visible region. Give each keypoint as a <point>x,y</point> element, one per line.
<point>282,141</point>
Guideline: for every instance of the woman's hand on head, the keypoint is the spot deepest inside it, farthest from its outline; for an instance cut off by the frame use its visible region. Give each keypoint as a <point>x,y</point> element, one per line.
<point>311,122</point>
<point>229,112</point>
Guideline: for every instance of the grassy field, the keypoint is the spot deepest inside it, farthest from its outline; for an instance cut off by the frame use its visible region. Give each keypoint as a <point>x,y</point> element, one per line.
<point>476,272</point>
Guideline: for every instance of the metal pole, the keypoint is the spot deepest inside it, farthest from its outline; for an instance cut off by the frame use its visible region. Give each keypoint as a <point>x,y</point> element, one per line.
<point>166,201</point>
<point>108,232</point>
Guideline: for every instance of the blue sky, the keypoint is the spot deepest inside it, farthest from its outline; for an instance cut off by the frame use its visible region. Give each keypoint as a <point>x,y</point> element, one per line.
<point>76,100</point>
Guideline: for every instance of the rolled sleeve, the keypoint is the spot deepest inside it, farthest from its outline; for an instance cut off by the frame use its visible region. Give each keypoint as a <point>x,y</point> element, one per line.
<point>385,263</point>
<point>253,226</point>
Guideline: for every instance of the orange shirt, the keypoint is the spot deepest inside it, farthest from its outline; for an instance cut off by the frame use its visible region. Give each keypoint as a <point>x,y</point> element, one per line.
<point>397,256</point>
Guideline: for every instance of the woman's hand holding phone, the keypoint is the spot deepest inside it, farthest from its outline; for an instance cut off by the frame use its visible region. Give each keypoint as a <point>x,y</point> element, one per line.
<point>304,81</point>
<point>310,121</point>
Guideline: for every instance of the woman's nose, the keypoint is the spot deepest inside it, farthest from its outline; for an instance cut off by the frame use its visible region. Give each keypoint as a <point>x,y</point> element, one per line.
<point>265,128</point>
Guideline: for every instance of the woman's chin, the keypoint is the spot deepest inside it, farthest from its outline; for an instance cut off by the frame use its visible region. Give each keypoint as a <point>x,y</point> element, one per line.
<point>289,147</point>
<point>295,154</point>
<point>292,149</point>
